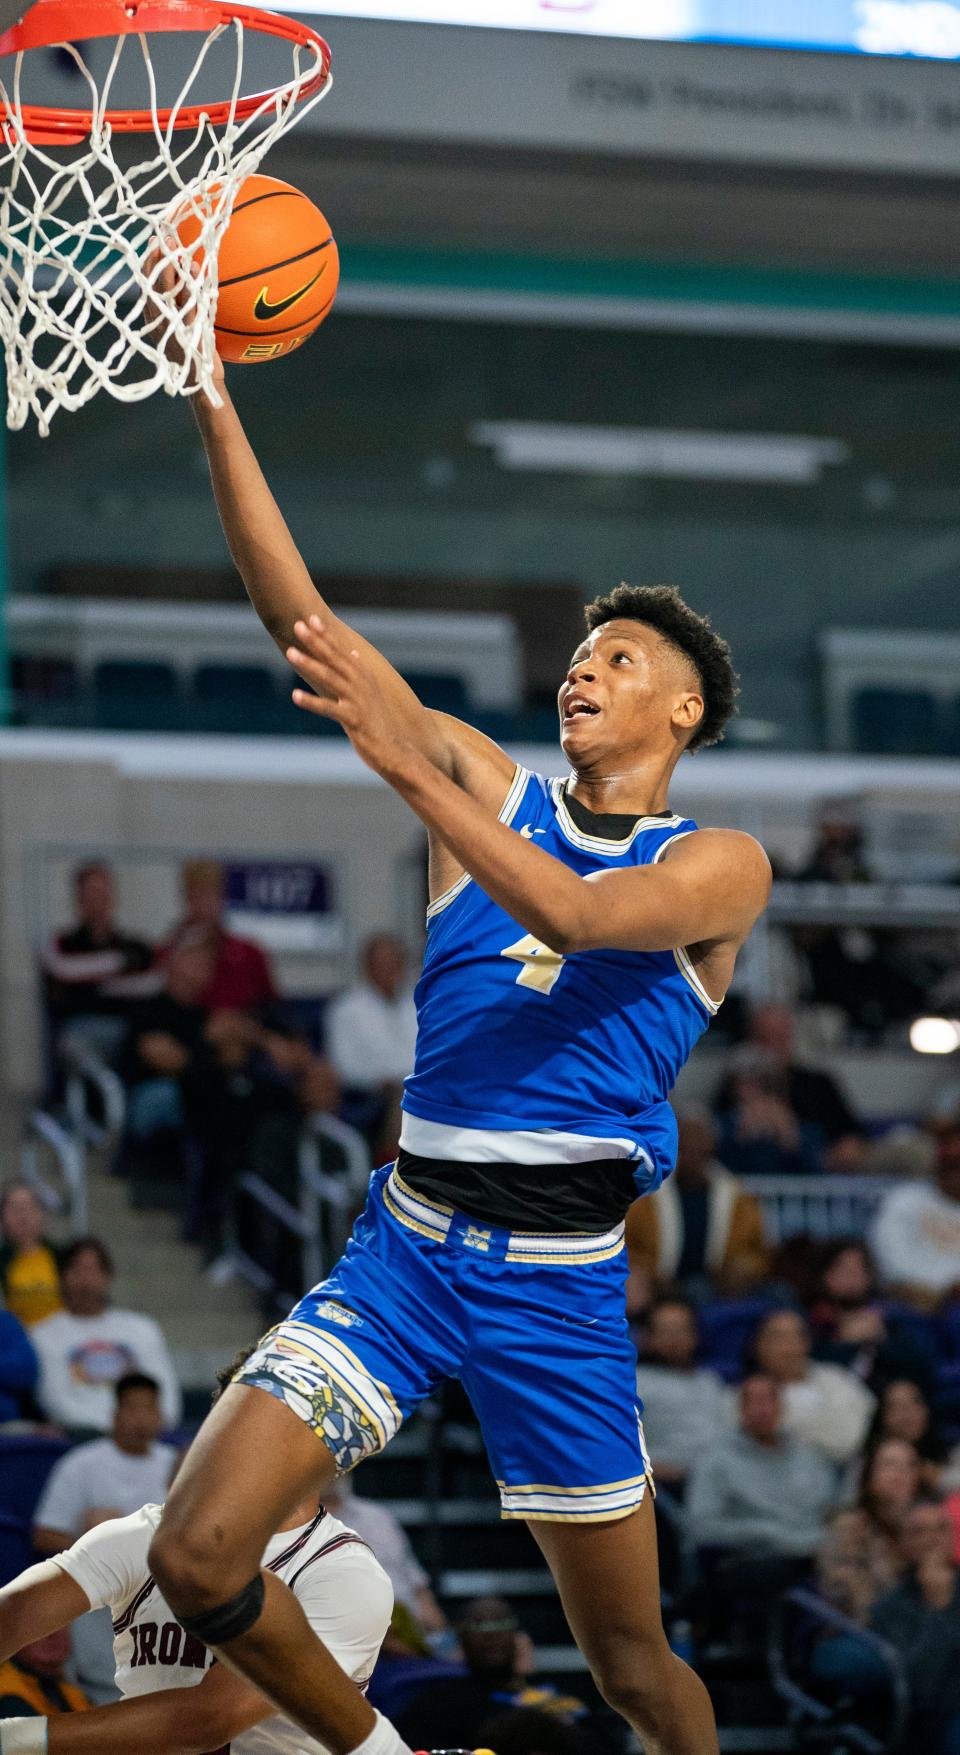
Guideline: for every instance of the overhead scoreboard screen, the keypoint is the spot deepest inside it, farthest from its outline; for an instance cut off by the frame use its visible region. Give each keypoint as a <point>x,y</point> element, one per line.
<point>924,28</point>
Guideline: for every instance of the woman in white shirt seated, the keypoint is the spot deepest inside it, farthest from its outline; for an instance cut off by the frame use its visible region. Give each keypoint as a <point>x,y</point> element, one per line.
<point>825,1405</point>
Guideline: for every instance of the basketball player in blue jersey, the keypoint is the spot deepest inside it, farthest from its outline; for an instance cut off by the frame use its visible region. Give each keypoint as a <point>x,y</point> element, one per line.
<point>580,937</point>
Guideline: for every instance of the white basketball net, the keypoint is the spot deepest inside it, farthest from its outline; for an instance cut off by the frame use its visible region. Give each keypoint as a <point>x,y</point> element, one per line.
<point>76,229</point>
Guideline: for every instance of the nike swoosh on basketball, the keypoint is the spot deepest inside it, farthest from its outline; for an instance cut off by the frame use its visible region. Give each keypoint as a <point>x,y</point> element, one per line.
<point>528,832</point>
<point>265,310</point>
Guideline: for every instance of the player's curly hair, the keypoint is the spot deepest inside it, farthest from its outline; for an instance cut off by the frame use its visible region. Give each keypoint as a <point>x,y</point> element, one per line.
<point>662,608</point>
<point>226,1373</point>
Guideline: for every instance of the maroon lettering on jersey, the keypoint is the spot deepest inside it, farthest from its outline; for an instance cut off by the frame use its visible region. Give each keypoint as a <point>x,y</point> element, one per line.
<point>194,1657</point>
<point>148,1642</point>
<point>171,1636</point>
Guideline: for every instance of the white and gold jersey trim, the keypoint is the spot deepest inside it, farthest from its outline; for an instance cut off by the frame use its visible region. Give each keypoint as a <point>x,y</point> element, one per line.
<point>549,1248</point>
<point>680,956</point>
<point>600,843</point>
<point>543,1503</point>
<point>506,814</point>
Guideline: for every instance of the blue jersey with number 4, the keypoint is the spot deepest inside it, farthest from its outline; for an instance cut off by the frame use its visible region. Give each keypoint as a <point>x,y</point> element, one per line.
<point>516,1040</point>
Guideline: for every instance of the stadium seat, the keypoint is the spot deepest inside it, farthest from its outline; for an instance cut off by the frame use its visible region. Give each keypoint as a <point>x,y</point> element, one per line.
<point>240,698</point>
<point>25,1462</point>
<point>444,694</point>
<point>129,696</point>
<point>46,691</point>
<point>16,1550</point>
<point>951,742</point>
<point>896,722</point>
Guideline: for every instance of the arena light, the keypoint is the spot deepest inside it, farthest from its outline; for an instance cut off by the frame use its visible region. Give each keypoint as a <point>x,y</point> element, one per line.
<point>935,1035</point>
<point>793,460</point>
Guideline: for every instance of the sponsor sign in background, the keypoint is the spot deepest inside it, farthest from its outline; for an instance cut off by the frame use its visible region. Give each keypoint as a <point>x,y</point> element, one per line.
<point>594,91</point>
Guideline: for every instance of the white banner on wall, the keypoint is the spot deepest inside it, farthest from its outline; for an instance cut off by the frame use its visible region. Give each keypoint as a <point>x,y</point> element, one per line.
<point>875,27</point>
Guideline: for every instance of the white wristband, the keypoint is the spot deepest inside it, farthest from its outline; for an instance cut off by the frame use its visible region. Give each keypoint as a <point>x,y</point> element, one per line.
<point>23,1736</point>
<point>383,1740</point>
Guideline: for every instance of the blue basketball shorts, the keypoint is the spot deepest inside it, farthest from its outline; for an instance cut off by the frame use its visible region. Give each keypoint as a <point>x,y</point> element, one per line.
<point>533,1325</point>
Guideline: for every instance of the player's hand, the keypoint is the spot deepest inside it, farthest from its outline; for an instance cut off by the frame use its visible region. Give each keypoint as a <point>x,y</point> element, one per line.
<point>167,289</point>
<point>346,690</point>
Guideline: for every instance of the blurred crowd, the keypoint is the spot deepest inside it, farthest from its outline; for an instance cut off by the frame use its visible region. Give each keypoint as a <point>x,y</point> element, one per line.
<point>221,1075</point>
<point>873,978</point>
<point>801,1381</point>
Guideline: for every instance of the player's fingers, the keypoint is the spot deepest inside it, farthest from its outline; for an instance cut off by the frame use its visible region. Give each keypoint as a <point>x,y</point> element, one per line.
<point>322,705</point>
<point>317,638</point>
<point>313,670</point>
<point>326,673</point>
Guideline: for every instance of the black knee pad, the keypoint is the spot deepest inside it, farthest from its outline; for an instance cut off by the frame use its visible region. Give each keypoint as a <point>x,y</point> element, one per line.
<point>218,1626</point>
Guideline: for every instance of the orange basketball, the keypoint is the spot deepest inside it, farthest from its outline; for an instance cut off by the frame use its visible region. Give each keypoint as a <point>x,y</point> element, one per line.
<point>278,267</point>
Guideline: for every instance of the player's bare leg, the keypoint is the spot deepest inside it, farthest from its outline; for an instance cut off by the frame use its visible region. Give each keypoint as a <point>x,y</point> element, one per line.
<point>251,1462</point>
<point>609,1583</point>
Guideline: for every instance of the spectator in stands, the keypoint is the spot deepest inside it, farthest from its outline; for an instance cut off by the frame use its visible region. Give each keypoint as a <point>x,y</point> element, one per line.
<point>87,1347</point>
<point>241,978</point>
<point>165,1032</point>
<point>700,1230</point>
<point>837,855</point>
<point>903,1412</point>
<point>371,1034</point>
<point>108,1477</point>
<point>229,1087</point>
<point>760,1135</point>
<point>422,1616</point>
<point>860,1556</point>
<point>18,1369</point>
<point>29,1271</point>
<point>920,1618</point>
<point>684,1403</point>
<point>497,1655</point>
<point>803,1109</point>
<point>916,1234</point>
<point>89,967</point>
<point>527,1731</point>
<point>33,1684</point>
<point>860,971</point>
<point>760,1497</point>
<point>825,1405</point>
<point>852,1328</point>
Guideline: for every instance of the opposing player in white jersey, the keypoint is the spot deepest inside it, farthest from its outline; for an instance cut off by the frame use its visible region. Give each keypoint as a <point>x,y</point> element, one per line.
<point>177,1698</point>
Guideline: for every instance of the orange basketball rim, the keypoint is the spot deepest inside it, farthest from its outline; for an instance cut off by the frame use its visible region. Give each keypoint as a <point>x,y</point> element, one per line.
<point>52,22</point>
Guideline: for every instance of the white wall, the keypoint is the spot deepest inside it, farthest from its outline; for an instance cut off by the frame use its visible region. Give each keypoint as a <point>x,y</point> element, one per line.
<point>147,802</point>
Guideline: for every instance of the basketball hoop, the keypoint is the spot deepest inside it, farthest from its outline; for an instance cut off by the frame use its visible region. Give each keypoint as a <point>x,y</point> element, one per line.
<point>86,235</point>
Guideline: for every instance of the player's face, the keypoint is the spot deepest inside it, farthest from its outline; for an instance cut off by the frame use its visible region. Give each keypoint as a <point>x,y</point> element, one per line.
<point>623,691</point>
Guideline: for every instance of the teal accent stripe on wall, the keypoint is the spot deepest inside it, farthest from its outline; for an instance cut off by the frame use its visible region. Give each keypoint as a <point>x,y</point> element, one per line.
<point>473,271</point>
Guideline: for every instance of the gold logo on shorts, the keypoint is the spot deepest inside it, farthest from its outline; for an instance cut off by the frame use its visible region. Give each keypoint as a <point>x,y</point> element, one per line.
<point>474,1238</point>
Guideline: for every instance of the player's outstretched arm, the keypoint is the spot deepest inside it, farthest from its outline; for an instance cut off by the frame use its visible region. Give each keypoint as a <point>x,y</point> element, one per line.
<point>42,1600</point>
<point>188,1720</point>
<point>285,597</point>
<point>710,886</point>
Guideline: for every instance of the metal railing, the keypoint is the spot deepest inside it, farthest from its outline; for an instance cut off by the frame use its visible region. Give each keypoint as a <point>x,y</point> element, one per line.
<point>314,1229</point>
<point>46,1141</point>
<point>817,1724</point>
<point>819,1206</point>
<point>94,1096</point>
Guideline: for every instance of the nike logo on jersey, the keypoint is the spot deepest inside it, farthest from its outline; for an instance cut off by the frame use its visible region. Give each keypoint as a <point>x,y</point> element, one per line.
<point>528,832</point>
<point>264,310</point>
